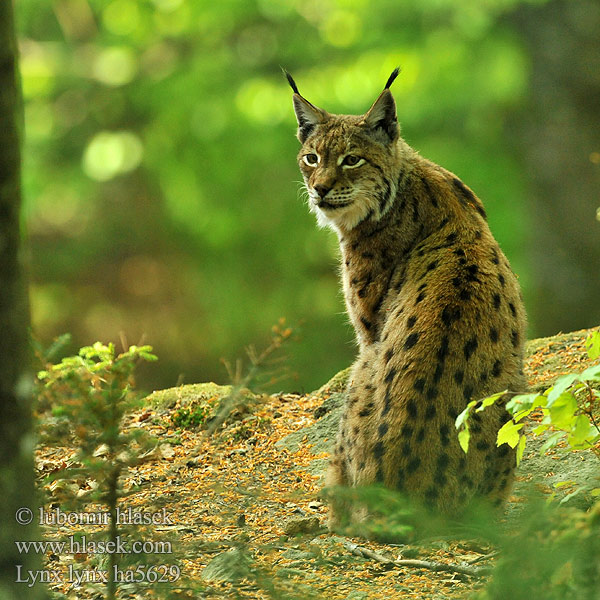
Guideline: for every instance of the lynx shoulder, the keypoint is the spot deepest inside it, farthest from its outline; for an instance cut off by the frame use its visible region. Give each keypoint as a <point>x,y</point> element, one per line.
<point>436,308</point>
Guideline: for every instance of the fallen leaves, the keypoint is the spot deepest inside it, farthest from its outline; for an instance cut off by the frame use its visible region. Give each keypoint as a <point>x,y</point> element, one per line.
<point>240,489</point>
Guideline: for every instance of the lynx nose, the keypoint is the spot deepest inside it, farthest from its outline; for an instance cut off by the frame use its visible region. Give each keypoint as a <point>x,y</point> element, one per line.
<point>322,190</point>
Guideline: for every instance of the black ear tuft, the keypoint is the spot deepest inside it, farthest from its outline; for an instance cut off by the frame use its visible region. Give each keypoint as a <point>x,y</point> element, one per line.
<point>291,81</point>
<point>381,118</point>
<point>391,78</point>
<point>307,114</point>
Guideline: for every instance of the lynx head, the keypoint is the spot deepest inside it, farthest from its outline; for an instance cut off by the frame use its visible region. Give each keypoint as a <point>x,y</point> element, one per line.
<point>349,162</point>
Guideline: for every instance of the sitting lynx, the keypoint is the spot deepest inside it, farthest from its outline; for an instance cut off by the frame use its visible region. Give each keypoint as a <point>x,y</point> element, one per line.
<point>436,308</point>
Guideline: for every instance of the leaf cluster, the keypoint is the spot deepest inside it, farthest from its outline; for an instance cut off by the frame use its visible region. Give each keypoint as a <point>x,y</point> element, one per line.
<point>88,396</point>
<point>568,410</point>
<point>552,553</point>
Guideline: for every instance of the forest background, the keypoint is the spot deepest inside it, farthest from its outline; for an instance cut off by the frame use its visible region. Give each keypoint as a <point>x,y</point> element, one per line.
<point>161,192</point>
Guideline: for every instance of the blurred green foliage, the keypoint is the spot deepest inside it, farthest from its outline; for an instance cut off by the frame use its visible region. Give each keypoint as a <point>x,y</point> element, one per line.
<point>161,188</point>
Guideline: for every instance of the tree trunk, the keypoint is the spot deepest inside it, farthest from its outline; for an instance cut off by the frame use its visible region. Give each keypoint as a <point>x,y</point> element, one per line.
<point>16,438</point>
<point>558,136</point>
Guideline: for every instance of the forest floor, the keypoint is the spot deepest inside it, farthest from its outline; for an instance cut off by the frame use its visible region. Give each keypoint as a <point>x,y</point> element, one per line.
<point>243,514</point>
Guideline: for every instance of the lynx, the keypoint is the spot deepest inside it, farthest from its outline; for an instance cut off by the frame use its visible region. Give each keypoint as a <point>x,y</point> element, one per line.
<point>437,311</point>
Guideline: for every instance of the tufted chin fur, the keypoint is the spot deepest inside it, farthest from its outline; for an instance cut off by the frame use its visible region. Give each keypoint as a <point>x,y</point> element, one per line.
<point>341,219</point>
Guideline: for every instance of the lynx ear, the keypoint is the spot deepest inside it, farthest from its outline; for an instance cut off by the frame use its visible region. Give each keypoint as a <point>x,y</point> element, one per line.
<point>381,117</point>
<point>307,114</point>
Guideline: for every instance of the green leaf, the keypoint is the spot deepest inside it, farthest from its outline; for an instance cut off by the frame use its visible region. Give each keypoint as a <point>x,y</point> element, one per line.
<point>595,492</point>
<point>562,411</point>
<point>592,345</point>
<point>463,439</point>
<point>522,413</point>
<point>552,440</point>
<point>580,431</point>
<point>540,429</point>
<point>591,373</point>
<point>561,385</point>
<point>509,434</point>
<point>461,419</point>
<point>525,401</point>
<point>560,484</point>
<point>571,495</point>
<point>490,400</point>
<point>521,449</point>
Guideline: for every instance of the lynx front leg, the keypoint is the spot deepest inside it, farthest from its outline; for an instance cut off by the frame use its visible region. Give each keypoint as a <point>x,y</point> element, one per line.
<point>343,472</point>
<point>335,480</point>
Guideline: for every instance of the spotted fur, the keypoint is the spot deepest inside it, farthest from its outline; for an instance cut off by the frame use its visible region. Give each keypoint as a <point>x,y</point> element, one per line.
<point>436,308</point>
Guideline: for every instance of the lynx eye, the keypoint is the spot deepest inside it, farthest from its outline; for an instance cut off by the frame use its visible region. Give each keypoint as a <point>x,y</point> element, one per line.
<point>351,160</point>
<point>311,159</point>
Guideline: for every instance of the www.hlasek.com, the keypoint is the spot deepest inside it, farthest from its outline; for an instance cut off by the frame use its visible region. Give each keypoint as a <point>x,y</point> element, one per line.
<point>82,545</point>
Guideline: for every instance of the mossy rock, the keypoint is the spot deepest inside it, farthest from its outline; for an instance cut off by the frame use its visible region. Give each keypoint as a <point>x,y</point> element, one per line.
<point>202,404</point>
<point>186,394</point>
<point>231,566</point>
<point>335,385</point>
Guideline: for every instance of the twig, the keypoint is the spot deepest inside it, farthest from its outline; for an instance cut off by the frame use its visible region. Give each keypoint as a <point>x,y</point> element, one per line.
<point>241,381</point>
<point>418,564</point>
<point>477,559</point>
<point>366,553</point>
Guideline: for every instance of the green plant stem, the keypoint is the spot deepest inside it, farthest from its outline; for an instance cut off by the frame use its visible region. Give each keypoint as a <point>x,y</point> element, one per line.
<point>112,498</point>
